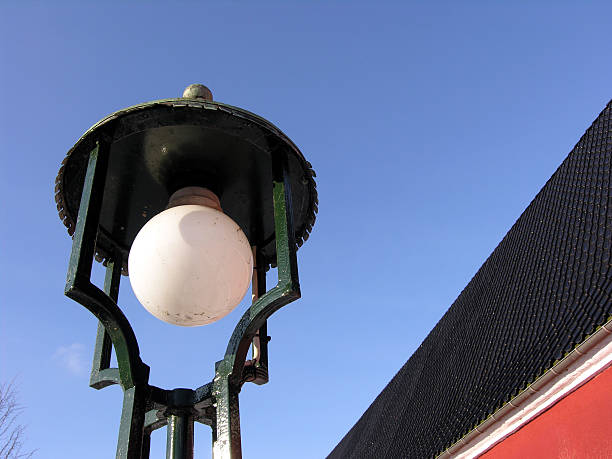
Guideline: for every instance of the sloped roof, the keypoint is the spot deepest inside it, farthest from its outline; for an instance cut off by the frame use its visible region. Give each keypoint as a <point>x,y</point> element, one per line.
<point>542,291</point>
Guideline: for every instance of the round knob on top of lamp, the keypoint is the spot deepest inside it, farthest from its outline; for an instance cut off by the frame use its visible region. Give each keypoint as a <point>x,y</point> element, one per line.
<point>197,91</point>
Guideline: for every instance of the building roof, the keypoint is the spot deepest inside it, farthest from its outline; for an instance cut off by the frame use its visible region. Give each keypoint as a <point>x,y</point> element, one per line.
<point>543,290</point>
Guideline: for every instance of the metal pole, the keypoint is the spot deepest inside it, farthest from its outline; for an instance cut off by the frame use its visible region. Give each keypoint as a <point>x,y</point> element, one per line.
<point>226,435</point>
<point>180,436</point>
<point>131,428</point>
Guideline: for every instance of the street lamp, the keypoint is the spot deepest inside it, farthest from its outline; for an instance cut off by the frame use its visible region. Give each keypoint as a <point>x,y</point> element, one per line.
<point>193,198</point>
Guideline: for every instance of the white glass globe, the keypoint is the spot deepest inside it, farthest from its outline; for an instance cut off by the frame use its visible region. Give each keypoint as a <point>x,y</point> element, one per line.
<point>191,264</point>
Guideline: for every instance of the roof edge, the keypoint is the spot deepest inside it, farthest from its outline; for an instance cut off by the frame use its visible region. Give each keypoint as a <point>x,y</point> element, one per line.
<point>549,388</point>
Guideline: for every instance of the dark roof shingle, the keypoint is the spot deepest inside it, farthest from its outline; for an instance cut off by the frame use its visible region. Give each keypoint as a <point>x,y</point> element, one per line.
<point>542,291</point>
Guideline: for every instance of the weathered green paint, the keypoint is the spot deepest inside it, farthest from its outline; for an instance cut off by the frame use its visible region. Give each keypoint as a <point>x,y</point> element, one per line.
<point>180,436</point>
<point>131,369</point>
<point>131,430</point>
<point>228,377</point>
<point>287,288</point>
<point>146,445</point>
<point>263,330</point>
<point>101,373</point>
<point>78,285</point>
<point>286,248</point>
<point>83,245</point>
<point>132,373</point>
<point>226,438</point>
<point>153,421</point>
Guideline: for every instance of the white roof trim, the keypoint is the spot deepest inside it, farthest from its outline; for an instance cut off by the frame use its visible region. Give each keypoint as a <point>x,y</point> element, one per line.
<point>582,364</point>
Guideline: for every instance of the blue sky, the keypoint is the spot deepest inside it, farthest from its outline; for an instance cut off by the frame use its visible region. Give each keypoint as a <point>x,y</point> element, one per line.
<point>430,127</point>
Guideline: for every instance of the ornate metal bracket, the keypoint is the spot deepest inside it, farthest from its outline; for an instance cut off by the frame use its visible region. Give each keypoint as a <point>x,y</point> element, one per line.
<point>145,407</point>
<point>229,371</point>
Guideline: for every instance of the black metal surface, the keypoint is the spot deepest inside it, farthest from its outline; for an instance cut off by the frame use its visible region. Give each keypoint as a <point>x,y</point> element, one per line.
<point>159,147</point>
<point>544,289</point>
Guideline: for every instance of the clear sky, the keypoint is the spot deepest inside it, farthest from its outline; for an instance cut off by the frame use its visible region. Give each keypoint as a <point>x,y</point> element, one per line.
<point>430,127</point>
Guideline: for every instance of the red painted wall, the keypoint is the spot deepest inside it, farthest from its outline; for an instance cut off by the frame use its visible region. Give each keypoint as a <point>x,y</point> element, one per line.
<point>579,426</point>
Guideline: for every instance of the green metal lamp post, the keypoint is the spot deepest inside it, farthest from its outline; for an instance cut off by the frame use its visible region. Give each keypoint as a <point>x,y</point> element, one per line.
<point>120,174</point>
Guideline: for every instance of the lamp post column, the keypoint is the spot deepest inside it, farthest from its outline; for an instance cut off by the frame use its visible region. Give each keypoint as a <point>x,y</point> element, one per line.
<point>180,418</point>
<point>180,436</point>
